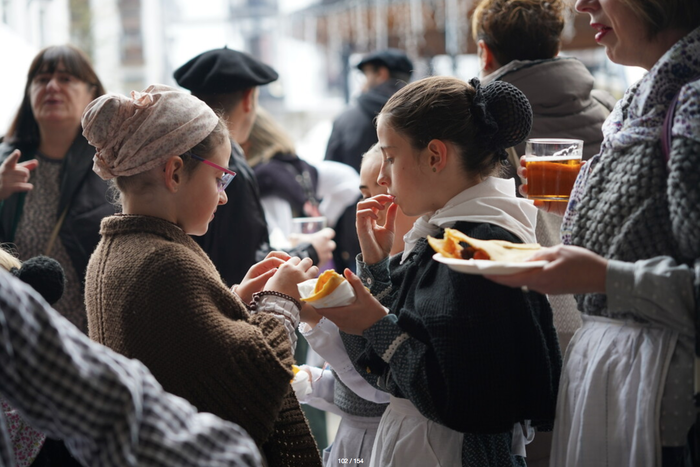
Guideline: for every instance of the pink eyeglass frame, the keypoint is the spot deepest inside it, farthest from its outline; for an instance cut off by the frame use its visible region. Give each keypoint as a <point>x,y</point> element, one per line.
<point>226,178</point>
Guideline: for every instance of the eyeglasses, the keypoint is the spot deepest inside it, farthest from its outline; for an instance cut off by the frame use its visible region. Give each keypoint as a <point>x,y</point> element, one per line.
<point>225,178</point>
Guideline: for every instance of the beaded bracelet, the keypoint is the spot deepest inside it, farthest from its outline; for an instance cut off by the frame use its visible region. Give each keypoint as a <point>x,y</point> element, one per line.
<point>258,295</point>
<point>393,347</point>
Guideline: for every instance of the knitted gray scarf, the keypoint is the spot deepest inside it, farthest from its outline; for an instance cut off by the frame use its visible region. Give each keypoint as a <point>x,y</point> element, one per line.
<point>632,205</point>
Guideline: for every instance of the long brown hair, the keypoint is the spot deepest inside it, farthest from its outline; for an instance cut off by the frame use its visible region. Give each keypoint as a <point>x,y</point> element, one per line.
<point>24,128</point>
<point>267,139</point>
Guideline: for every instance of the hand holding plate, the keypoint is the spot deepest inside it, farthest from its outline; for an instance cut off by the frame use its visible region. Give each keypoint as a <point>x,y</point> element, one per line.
<point>570,270</point>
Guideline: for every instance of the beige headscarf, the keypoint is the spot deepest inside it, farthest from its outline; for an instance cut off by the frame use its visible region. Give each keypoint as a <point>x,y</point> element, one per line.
<point>135,134</point>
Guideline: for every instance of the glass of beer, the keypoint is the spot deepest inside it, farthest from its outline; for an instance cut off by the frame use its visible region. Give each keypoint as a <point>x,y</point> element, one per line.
<point>552,166</point>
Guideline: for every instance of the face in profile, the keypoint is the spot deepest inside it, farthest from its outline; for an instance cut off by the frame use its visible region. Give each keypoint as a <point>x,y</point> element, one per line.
<point>373,77</point>
<point>58,97</point>
<point>404,171</point>
<point>369,172</point>
<point>622,33</point>
<point>199,195</point>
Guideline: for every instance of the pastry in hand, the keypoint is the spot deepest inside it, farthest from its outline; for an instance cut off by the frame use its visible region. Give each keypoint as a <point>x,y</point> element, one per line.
<point>450,246</point>
<point>328,290</point>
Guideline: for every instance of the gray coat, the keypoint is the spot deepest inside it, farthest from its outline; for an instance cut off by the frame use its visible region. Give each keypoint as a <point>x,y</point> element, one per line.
<point>564,103</point>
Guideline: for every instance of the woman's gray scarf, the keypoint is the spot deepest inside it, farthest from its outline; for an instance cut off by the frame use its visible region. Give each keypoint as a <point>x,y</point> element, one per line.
<point>635,206</point>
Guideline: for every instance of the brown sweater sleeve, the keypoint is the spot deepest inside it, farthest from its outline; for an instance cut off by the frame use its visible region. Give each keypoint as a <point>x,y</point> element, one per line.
<point>196,337</point>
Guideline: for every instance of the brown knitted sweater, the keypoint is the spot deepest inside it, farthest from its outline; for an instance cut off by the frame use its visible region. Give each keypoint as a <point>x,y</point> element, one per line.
<point>151,293</point>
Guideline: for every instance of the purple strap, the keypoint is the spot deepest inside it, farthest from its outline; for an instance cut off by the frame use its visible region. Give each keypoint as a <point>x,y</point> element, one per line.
<point>668,125</point>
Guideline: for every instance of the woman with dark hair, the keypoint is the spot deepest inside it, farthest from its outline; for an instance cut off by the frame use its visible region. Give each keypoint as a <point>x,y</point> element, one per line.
<point>632,253</point>
<point>466,361</point>
<point>58,214</point>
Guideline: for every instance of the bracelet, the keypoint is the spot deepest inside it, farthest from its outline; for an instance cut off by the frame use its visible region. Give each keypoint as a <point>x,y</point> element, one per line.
<point>258,295</point>
<point>393,347</point>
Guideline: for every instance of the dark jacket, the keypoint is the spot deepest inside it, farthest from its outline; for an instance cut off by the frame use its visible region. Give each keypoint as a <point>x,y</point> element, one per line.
<point>237,237</point>
<point>288,177</point>
<point>564,103</point>
<point>480,357</point>
<point>353,133</point>
<point>485,356</point>
<point>82,191</point>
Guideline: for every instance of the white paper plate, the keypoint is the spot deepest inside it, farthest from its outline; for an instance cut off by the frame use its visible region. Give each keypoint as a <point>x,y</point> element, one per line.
<point>486,267</point>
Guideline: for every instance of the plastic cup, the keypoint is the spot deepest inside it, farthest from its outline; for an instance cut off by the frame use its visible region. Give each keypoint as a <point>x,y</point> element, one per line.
<point>552,167</point>
<point>305,226</point>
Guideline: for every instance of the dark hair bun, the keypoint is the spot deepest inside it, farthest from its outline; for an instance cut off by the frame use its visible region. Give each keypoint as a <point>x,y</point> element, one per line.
<point>508,107</point>
<point>45,275</point>
<point>511,110</point>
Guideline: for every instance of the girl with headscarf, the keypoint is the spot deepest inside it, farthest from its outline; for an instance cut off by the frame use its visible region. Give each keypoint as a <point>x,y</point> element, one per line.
<point>153,294</point>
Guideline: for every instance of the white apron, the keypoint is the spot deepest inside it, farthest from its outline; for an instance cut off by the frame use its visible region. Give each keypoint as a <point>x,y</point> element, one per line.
<point>406,438</point>
<point>610,395</point>
<point>353,441</point>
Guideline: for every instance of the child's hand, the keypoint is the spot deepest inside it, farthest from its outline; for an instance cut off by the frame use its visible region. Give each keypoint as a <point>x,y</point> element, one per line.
<point>259,274</point>
<point>358,316</point>
<point>376,240</point>
<point>289,274</point>
<point>309,315</point>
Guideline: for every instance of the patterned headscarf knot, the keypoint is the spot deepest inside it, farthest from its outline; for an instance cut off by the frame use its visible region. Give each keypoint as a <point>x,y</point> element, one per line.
<point>133,135</point>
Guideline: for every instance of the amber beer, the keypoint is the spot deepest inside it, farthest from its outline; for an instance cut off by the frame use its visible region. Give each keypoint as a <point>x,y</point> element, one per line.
<point>552,167</point>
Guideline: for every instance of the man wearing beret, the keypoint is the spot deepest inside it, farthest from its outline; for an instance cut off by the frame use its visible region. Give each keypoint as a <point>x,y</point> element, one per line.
<point>354,132</point>
<point>228,80</point>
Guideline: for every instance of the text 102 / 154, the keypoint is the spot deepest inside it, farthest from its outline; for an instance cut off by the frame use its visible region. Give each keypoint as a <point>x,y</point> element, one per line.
<point>350,460</point>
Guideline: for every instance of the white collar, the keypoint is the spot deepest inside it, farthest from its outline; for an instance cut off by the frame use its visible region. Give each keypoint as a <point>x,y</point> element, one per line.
<point>493,201</point>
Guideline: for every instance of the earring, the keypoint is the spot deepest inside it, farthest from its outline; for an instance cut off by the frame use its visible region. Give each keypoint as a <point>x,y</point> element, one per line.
<point>434,169</point>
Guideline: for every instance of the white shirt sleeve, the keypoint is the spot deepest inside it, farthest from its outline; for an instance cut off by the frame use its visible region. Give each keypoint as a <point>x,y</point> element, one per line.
<point>278,214</point>
<point>326,341</point>
<point>322,390</point>
<point>338,188</point>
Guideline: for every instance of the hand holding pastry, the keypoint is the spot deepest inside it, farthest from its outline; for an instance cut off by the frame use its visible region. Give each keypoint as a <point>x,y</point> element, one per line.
<point>290,274</point>
<point>258,275</point>
<point>361,314</point>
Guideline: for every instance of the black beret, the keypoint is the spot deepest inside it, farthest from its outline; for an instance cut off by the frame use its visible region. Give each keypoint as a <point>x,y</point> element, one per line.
<point>393,59</point>
<point>222,71</point>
